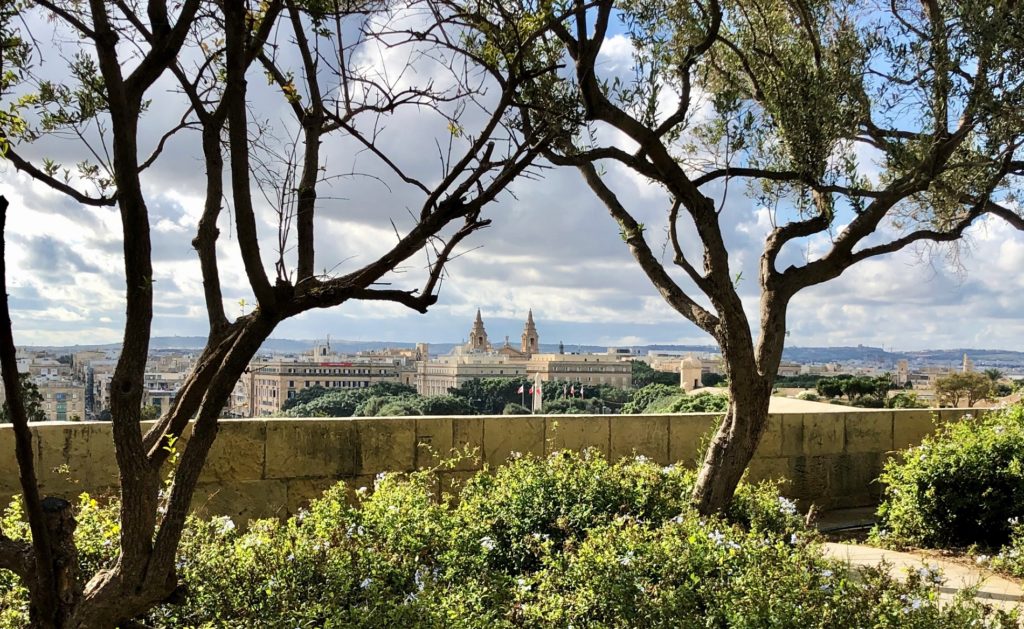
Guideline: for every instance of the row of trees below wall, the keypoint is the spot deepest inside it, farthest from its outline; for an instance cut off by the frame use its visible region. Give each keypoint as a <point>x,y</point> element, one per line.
<point>496,396</point>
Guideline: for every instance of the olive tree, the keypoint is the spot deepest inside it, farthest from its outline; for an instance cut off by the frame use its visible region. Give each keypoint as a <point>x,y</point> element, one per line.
<point>123,55</point>
<point>862,129</point>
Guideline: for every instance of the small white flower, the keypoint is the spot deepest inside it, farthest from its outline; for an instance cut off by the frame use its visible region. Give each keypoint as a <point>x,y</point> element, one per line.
<point>366,583</point>
<point>981,559</point>
<point>716,537</point>
<point>793,539</point>
<point>626,559</point>
<point>788,506</point>
<point>523,585</point>
<point>226,525</point>
<point>826,573</point>
<point>487,543</point>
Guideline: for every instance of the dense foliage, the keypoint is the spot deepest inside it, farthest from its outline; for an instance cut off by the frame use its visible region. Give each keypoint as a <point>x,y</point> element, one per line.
<point>660,398</point>
<point>569,540</point>
<point>643,375</point>
<point>31,398</point>
<point>321,402</point>
<point>960,487</point>
<point>488,396</point>
<point>803,381</point>
<point>647,395</point>
<point>854,387</point>
<point>967,386</point>
<point>905,399</point>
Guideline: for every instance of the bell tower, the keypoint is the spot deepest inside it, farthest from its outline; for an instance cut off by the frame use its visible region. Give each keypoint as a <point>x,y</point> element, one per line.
<point>531,341</point>
<point>478,336</point>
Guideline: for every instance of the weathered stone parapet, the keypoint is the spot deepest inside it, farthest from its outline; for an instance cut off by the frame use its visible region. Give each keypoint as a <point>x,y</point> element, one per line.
<point>271,467</point>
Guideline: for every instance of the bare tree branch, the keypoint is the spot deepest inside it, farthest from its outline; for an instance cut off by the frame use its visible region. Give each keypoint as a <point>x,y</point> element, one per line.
<point>36,173</point>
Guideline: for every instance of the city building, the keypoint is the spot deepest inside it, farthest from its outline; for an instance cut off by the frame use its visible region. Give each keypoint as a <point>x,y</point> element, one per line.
<point>63,399</point>
<point>689,373</point>
<point>438,375</point>
<point>586,369</point>
<point>478,358</point>
<point>271,383</point>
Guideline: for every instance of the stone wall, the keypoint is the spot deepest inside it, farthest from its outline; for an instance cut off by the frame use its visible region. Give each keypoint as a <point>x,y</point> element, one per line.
<point>267,467</point>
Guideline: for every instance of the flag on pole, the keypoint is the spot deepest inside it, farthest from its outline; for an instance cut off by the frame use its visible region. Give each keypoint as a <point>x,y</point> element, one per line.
<point>531,390</point>
<point>520,389</point>
<point>572,390</point>
<point>581,391</point>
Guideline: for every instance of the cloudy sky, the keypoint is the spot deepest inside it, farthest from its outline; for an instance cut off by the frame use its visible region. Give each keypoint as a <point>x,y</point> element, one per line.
<point>552,247</point>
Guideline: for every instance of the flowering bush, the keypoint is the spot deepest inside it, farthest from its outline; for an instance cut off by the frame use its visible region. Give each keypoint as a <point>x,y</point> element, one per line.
<point>963,486</point>
<point>568,540</point>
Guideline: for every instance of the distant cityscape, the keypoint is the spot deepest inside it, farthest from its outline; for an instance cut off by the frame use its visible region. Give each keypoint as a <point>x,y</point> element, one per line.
<point>74,382</point>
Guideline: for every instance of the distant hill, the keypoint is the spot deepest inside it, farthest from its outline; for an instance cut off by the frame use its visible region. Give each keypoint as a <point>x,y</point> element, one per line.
<point>983,358</point>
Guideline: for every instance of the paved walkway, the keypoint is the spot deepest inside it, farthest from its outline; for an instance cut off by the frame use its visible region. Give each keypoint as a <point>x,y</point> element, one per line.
<point>994,590</point>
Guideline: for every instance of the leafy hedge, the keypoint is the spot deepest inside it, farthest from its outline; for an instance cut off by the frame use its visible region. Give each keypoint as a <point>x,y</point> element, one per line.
<point>962,486</point>
<point>568,540</point>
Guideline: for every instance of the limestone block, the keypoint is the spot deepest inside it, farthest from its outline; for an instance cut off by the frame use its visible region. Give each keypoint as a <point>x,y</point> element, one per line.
<point>639,434</point>
<point>238,453</point>
<point>569,432</point>
<point>771,441</point>
<point>433,440</point>
<point>856,478</point>
<point>823,434</point>
<point>468,436</point>
<point>813,477</point>
<point>687,436</point>
<point>9,484</point>
<point>386,445</point>
<point>910,426</point>
<point>242,500</point>
<point>304,490</point>
<point>74,457</point>
<point>769,468</point>
<point>515,433</point>
<point>869,431</point>
<point>791,427</point>
<point>308,448</point>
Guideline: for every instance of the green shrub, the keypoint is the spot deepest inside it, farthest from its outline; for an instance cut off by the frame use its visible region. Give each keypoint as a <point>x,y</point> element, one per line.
<point>644,396</point>
<point>905,400</point>
<point>703,402</point>
<point>567,540</point>
<point>962,486</point>
<point>515,408</point>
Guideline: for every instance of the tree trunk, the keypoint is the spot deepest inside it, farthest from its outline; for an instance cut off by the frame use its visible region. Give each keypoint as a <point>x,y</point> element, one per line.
<point>60,527</point>
<point>734,443</point>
